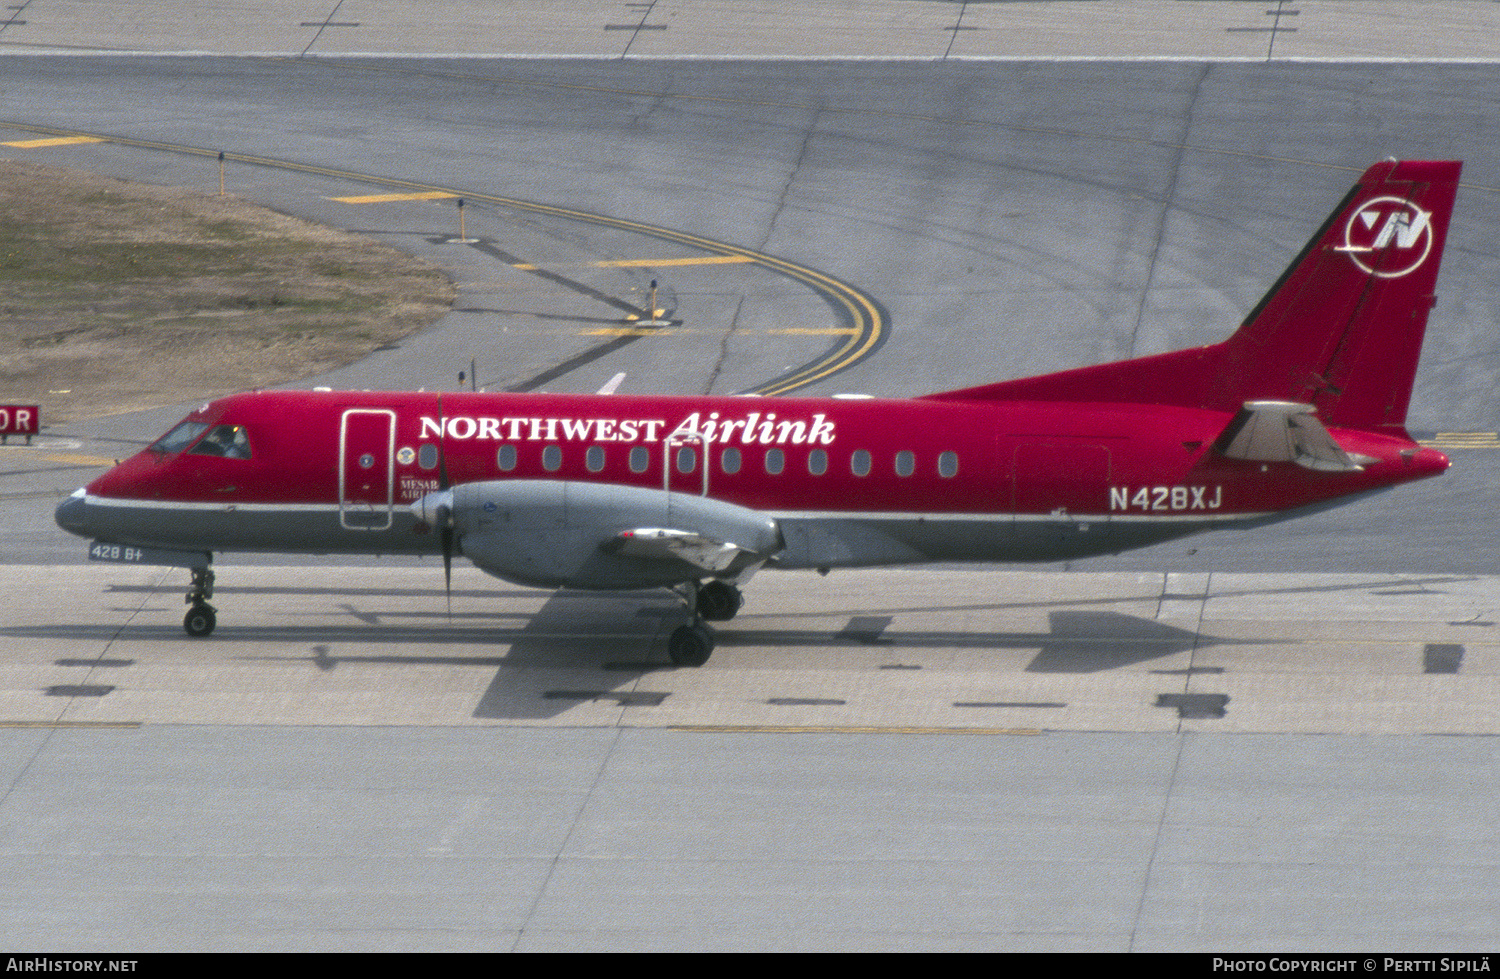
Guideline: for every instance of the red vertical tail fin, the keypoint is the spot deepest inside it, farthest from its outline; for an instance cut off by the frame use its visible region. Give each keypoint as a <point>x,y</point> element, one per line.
<point>1341,329</point>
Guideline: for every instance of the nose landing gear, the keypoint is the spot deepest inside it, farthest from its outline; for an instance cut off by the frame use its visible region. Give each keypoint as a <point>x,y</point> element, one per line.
<point>201,618</point>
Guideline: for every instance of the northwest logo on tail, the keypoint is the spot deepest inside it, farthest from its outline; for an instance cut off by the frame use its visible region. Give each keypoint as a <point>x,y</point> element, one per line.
<point>1391,226</point>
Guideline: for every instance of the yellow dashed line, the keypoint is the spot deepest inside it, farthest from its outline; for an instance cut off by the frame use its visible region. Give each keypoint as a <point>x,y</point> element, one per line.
<point>36,144</point>
<point>653,263</point>
<point>66,458</point>
<point>1463,440</point>
<point>77,460</point>
<point>431,195</point>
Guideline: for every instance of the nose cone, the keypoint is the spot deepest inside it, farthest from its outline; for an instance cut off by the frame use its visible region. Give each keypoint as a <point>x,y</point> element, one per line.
<point>71,514</point>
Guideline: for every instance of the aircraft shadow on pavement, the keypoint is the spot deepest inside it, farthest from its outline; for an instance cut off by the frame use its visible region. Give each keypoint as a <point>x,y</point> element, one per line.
<point>619,637</point>
<point>1077,641</point>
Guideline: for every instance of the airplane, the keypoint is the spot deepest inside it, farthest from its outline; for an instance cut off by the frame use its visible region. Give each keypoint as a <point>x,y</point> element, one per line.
<point>1301,409</point>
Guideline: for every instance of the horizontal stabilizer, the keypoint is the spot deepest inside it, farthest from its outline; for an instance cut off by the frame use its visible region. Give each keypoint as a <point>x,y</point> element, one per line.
<point>1284,431</point>
<point>660,542</point>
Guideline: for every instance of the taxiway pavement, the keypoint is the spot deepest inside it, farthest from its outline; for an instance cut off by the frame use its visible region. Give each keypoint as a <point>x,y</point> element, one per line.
<point>1177,751</point>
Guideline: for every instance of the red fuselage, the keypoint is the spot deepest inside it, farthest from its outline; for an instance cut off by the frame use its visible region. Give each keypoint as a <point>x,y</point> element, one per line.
<point>1061,479</point>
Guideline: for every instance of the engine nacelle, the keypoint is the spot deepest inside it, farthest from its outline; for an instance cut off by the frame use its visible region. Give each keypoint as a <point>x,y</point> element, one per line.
<point>556,534</point>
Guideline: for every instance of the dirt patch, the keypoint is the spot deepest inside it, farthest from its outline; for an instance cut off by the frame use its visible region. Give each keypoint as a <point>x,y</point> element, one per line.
<point>118,296</point>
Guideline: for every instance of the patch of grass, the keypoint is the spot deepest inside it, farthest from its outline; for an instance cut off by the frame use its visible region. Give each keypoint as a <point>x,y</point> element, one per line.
<point>130,295</point>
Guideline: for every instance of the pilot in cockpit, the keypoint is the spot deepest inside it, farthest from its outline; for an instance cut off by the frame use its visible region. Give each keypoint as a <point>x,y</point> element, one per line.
<point>228,441</point>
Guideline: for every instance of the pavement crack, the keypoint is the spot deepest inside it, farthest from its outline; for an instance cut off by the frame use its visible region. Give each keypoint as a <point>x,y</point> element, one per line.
<point>791,178</point>
<point>1180,148</point>
<point>734,323</point>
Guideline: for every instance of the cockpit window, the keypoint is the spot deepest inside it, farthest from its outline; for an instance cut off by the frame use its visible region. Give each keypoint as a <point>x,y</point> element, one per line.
<point>229,441</point>
<point>179,438</point>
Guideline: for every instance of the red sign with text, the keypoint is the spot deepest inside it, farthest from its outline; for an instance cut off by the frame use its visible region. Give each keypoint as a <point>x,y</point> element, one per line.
<point>20,419</point>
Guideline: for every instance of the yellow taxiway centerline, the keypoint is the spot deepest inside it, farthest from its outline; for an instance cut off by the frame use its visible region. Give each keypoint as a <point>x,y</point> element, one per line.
<point>36,144</point>
<point>66,458</point>
<point>429,195</point>
<point>653,263</point>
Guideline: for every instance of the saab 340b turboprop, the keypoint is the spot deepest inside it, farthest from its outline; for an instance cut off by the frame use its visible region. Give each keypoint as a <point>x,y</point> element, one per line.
<point>1302,408</point>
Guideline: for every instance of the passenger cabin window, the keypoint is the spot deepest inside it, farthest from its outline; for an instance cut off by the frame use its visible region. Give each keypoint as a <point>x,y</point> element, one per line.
<point>775,461</point>
<point>552,458</point>
<point>859,462</point>
<point>594,458</point>
<point>906,462</point>
<point>226,441</point>
<point>687,460</point>
<point>729,461</point>
<point>505,458</point>
<point>948,465</point>
<point>640,458</point>
<point>179,438</point>
<point>817,462</point>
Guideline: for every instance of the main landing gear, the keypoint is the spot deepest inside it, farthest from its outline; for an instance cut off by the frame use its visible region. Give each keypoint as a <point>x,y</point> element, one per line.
<point>201,618</point>
<point>716,601</point>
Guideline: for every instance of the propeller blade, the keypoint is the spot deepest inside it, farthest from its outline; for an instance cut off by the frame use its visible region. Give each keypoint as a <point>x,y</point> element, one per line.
<point>442,448</point>
<point>436,511</point>
<point>445,534</point>
<point>445,513</point>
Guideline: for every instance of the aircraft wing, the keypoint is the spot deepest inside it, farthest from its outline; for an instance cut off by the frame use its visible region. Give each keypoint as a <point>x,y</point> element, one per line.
<point>1284,431</point>
<point>662,543</point>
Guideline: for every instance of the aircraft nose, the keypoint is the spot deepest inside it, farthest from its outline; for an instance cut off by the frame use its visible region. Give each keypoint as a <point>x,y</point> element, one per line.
<point>71,514</point>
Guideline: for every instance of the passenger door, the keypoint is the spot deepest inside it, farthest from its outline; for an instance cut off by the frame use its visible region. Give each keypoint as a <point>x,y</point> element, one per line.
<point>367,447</point>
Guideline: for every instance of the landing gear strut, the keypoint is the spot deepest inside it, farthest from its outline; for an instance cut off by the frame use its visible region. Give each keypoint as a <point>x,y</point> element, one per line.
<point>201,618</point>
<point>717,601</point>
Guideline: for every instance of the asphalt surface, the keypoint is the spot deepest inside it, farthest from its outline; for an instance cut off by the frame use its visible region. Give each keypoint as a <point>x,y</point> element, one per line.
<point>342,773</point>
<point>1007,220</point>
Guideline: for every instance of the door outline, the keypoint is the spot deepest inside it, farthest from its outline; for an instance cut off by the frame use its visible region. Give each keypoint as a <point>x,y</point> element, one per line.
<point>669,460</point>
<point>1094,457</point>
<point>367,514</point>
